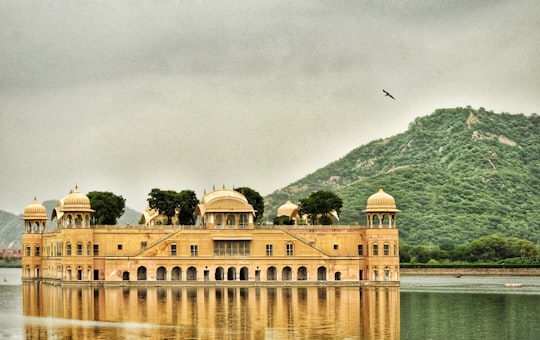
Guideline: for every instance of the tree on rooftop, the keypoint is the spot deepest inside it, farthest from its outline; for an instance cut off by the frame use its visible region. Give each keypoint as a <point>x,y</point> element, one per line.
<point>108,207</point>
<point>318,205</point>
<point>167,202</point>
<point>187,203</point>
<point>255,199</point>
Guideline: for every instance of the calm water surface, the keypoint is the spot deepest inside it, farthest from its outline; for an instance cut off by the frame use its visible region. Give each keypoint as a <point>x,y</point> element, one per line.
<point>426,307</point>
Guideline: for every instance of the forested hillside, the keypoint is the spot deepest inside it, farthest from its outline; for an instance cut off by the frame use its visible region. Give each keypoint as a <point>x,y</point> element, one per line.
<point>456,174</point>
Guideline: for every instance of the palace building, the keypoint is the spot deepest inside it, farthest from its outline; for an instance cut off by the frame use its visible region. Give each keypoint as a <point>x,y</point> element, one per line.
<point>225,245</point>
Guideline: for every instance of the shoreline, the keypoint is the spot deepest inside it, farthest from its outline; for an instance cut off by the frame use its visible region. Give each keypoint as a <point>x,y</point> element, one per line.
<point>471,271</point>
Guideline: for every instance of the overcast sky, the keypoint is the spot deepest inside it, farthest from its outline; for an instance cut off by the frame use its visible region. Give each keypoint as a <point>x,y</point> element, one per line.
<point>126,96</point>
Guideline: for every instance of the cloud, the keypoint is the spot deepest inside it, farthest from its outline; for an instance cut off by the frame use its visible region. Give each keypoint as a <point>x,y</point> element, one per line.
<point>124,97</point>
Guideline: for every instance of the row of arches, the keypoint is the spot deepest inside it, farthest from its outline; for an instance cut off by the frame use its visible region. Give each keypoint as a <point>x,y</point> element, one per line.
<point>228,220</point>
<point>231,273</point>
<point>220,273</point>
<point>381,220</point>
<point>35,226</point>
<point>73,221</point>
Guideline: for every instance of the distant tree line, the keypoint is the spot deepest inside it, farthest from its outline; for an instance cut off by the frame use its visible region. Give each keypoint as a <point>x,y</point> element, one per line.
<point>486,249</point>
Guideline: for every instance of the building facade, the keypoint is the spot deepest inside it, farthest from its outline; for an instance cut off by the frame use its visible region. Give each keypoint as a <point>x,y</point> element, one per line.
<point>225,245</point>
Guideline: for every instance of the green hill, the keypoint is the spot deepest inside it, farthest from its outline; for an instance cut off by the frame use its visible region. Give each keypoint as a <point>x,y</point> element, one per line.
<point>456,174</point>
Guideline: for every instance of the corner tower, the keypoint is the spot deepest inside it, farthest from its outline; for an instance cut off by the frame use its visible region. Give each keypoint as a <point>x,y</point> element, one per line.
<point>382,260</point>
<point>35,219</point>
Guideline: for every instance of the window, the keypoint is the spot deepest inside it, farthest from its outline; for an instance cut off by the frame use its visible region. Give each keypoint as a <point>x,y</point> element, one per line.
<point>336,246</point>
<point>219,221</point>
<point>37,251</point>
<point>173,249</point>
<point>96,249</point>
<point>143,245</point>
<point>88,249</point>
<point>269,250</point>
<point>68,249</point>
<point>243,221</point>
<point>386,249</point>
<point>375,249</point>
<point>289,249</point>
<point>360,250</point>
<point>120,246</point>
<point>194,250</point>
<point>59,248</point>
<point>231,248</point>
<point>79,249</point>
<point>28,250</point>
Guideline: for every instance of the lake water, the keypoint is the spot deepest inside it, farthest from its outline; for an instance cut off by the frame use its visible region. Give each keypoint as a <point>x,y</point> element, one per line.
<point>425,307</point>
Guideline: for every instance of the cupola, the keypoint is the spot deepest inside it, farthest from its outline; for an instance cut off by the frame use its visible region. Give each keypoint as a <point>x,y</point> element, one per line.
<point>35,217</point>
<point>77,202</point>
<point>381,210</point>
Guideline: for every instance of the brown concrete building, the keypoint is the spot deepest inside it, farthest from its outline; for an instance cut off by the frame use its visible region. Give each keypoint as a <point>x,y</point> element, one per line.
<point>225,245</point>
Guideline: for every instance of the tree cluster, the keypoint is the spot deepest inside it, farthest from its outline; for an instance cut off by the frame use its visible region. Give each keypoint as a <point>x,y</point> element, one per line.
<point>171,203</point>
<point>319,207</point>
<point>486,249</point>
<point>108,207</point>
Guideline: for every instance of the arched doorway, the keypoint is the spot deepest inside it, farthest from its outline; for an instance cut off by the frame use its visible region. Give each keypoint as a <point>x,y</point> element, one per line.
<point>302,274</point>
<point>219,274</point>
<point>231,274</point>
<point>286,274</point>
<point>244,274</point>
<point>125,276</point>
<point>161,273</point>
<point>271,274</point>
<point>192,274</point>
<point>141,273</point>
<point>321,274</point>
<point>176,274</point>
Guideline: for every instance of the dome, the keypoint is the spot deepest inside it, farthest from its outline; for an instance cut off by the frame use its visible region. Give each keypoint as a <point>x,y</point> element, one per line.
<point>224,194</point>
<point>76,201</point>
<point>224,201</point>
<point>35,211</point>
<point>287,209</point>
<point>381,202</point>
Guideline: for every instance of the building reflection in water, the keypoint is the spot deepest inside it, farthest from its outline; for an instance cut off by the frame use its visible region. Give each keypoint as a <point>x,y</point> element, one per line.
<point>211,312</point>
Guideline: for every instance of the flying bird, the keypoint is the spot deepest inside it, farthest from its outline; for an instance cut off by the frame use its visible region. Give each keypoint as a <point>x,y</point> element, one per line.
<point>388,94</point>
